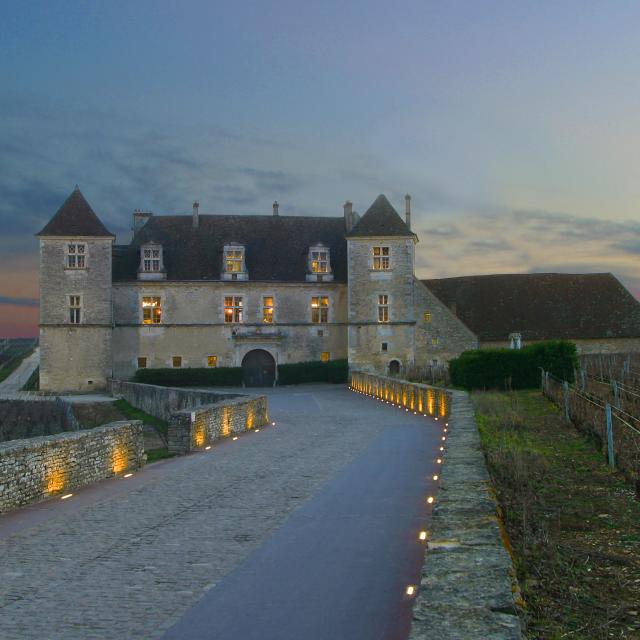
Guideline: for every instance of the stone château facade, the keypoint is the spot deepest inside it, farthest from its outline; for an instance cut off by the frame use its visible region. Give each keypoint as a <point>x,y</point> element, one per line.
<point>255,291</point>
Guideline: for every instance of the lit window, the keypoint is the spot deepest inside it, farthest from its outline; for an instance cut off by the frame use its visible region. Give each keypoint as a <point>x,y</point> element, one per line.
<point>427,316</point>
<point>233,259</point>
<point>325,356</point>
<point>232,309</point>
<point>320,309</point>
<point>383,308</point>
<point>434,341</point>
<point>267,309</point>
<point>75,310</point>
<point>76,255</point>
<point>151,259</point>
<point>151,310</point>
<point>142,362</point>
<point>320,261</point>
<point>381,258</point>
<point>212,361</point>
<point>176,361</point>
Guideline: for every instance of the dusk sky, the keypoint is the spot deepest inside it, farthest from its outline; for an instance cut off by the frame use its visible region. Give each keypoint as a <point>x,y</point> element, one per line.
<point>515,126</point>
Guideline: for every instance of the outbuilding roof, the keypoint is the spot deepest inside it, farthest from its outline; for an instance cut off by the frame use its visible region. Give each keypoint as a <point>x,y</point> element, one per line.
<point>541,306</point>
<point>276,247</point>
<point>75,218</point>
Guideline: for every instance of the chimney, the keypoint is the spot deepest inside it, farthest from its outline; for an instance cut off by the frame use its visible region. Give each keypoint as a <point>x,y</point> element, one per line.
<point>350,216</point>
<point>276,206</point>
<point>196,215</point>
<point>407,210</point>
<point>140,218</point>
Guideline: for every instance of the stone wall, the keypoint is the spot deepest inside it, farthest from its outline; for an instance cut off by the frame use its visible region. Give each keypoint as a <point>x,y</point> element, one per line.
<point>421,398</point>
<point>39,468</point>
<point>162,402</point>
<point>584,347</point>
<point>468,583</point>
<point>30,418</point>
<point>200,427</point>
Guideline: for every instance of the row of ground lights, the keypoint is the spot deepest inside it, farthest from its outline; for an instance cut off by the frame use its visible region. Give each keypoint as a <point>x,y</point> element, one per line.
<point>423,535</point>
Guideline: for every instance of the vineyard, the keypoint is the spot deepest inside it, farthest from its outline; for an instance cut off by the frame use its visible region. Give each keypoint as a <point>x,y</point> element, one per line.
<point>604,403</point>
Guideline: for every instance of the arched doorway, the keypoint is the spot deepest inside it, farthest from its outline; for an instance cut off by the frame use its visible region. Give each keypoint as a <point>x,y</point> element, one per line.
<point>258,369</point>
<point>394,367</point>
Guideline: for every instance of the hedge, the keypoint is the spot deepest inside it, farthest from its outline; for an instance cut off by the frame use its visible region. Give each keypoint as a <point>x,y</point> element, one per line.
<point>513,368</point>
<point>191,377</point>
<point>336,371</point>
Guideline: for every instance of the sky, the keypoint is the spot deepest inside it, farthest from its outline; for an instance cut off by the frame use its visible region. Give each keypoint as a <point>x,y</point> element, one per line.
<point>515,126</point>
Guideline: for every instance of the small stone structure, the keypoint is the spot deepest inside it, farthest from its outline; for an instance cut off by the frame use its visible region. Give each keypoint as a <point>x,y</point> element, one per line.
<point>46,466</point>
<point>467,585</point>
<point>196,418</point>
<point>189,430</point>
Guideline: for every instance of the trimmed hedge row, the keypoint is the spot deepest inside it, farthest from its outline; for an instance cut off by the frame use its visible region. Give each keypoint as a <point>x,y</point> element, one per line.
<point>512,368</point>
<point>191,377</point>
<point>335,371</point>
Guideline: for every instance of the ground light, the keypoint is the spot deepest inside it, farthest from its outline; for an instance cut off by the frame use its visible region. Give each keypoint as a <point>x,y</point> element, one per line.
<point>439,460</point>
<point>435,477</point>
<point>410,590</point>
<point>430,499</point>
<point>422,535</point>
<point>207,448</point>
<point>64,497</point>
<point>127,475</point>
<point>235,438</point>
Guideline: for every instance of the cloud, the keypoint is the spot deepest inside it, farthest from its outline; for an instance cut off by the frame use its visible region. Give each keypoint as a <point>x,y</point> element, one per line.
<point>20,302</point>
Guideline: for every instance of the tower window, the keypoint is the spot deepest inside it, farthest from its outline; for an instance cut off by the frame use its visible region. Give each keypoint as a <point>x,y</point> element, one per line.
<point>325,356</point>
<point>151,310</point>
<point>75,309</point>
<point>383,308</point>
<point>76,255</point>
<point>176,361</point>
<point>320,309</point>
<point>384,346</point>
<point>151,259</point>
<point>233,309</point>
<point>435,341</point>
<point>381,259</point>
<point>212,361</point>
<point>427,316</point>
<point>319,260</point>
<point>142,362</point>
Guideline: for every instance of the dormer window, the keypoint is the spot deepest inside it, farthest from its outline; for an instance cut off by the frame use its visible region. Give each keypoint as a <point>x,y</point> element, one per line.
<point>76,255</point>
<point>151,262</point>
<point>319,264</point>
<point>234,265</point>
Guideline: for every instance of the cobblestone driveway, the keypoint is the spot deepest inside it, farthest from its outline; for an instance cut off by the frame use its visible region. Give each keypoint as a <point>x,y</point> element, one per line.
<point>131,562</point>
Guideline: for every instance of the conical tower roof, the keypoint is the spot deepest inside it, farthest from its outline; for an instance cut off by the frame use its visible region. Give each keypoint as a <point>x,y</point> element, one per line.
<point>75,218</point>
<point>380,219</point>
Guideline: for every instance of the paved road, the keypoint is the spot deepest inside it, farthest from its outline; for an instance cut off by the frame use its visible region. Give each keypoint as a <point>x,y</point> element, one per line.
<point>19,377</point>
<point>306,530</point>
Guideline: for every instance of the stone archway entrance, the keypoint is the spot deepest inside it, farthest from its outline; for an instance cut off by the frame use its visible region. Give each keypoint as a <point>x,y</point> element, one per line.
<point>258,369</point>
<point>394,367</point>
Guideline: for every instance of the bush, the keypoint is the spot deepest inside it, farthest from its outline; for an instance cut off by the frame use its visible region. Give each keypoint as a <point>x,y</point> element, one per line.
<point>335,371</point>
<point>191,377</point>
<point>512,368</point>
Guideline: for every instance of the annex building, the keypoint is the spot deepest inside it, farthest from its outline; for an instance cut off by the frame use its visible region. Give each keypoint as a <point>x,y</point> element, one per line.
<point>261,290</point>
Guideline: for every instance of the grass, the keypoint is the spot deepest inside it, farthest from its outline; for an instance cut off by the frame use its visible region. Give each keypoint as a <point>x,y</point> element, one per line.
<point>130,412</point>
<point>572,522</point>
<point>11,365</point>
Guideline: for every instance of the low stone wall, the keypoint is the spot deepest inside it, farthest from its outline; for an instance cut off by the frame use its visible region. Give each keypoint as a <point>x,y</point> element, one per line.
<point>161,402</point>
<point>468,584</point>
<point>198,428</point>
<point>421,398</point>
<point>39,468</point>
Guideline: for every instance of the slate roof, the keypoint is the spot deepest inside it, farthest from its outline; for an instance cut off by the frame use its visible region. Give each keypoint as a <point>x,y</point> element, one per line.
<point>380,219</point>
<point>276,247</point>
<point>541,306</point>
<point>75,218</point>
